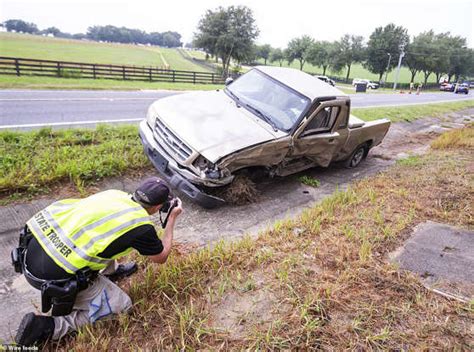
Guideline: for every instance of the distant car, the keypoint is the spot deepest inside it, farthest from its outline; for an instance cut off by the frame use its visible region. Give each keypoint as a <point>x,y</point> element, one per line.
<point>462,88</point>
<point>326,79</point>
<point>447,87</point>
<point>369,83</point>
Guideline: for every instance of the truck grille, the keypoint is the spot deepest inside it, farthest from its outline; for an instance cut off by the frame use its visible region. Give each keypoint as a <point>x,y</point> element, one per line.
<point>163,135</point>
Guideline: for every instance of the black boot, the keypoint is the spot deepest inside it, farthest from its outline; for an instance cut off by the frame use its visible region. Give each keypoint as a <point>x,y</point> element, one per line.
<point>34,329</point>
<point>122,271</point>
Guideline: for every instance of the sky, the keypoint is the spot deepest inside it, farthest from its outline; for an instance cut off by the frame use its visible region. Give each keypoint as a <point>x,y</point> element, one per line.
<point>278,22</point>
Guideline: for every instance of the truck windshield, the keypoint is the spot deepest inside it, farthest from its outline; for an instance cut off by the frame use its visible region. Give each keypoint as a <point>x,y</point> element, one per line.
<point>278,103</point>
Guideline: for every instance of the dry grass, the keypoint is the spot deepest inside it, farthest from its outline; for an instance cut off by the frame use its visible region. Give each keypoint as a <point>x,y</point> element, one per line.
<point>321,281</point>
<point>242,191</point>
<point>455,139</point>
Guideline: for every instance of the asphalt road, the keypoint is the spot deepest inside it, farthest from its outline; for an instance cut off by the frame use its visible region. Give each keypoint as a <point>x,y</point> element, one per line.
<point>26,109</point>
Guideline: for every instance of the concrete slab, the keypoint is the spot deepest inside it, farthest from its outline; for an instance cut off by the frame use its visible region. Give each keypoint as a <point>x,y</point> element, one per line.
<point>443,255</point>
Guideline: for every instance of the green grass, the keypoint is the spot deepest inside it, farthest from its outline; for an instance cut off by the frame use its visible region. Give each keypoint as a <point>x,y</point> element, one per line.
<point>32,160</point>
<point>32,82</point>
<point>320,281</point>
<point>410,113</point>
<point>309,181</point>
<point>177,61</point>
<point>46,48</point>
<point>357,71</point>
<point>412,160</point>
<point>197,54</point>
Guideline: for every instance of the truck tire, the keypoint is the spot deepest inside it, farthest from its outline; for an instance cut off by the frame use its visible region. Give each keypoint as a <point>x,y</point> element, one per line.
<point>357,156</point>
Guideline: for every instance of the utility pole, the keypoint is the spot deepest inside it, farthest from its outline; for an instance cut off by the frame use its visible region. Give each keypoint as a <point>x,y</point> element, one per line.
<point>388,66</point>
<point>402,54</point>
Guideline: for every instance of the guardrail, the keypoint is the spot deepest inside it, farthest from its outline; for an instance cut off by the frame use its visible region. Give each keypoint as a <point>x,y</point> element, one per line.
<point>34,67</point>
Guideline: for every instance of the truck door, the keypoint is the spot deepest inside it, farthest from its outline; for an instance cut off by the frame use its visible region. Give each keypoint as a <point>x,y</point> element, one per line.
<point>323,133</point>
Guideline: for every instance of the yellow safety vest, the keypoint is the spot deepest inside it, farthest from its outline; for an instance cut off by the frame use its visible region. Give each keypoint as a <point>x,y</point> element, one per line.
<point>74,231</point>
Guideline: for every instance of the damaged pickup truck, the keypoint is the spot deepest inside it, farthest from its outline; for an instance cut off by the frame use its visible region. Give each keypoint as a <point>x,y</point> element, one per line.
<point>271,119</point>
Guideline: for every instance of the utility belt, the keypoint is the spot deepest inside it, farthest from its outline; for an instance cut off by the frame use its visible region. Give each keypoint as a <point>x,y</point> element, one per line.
<point>59,295</point>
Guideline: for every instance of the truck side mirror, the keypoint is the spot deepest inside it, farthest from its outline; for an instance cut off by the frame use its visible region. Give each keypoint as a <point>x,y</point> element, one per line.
<point>228,80</point>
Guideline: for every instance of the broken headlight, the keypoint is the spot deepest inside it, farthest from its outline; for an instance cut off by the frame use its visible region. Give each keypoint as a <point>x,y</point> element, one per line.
<point>208,169</point>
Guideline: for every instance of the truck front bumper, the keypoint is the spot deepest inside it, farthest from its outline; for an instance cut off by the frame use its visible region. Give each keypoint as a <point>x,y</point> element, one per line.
<point>168,170</point>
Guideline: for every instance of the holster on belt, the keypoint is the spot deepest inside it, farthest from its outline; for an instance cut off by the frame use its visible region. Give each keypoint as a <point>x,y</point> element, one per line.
<point>17,254</point>
<point>60,298</point>
<point>58,295</point>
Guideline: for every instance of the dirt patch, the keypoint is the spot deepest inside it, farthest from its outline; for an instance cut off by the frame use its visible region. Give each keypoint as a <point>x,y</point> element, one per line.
<point>239,312</point>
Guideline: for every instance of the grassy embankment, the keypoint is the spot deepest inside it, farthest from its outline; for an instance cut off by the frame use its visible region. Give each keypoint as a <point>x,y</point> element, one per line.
<point>412,112</point>
<point>32,162</point>
<point>38,47</point>
<point>319,281</point>
<point>31,82</point>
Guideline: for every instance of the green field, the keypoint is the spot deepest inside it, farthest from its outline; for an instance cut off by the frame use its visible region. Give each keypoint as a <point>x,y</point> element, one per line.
<point>46,48</point>
<point>357,71</point>
<point>197,54</point>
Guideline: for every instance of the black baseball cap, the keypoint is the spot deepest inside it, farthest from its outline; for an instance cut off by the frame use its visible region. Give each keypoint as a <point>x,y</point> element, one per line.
<point>152,191</point>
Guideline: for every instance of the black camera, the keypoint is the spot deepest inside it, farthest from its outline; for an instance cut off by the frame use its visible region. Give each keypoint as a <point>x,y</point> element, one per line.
<point>167,207</point>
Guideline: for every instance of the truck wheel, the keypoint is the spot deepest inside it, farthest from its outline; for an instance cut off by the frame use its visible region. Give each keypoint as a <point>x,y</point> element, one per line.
<point>357,156</point>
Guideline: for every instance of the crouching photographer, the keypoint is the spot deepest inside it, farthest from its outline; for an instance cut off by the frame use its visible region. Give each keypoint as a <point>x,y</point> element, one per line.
<point>68,252</point>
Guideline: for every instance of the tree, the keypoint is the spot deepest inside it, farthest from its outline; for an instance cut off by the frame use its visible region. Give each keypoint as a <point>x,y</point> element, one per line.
<point>277,55</point>
<point>348,50</point>
<point>391,40</point>
<point>263,51</point>
<point>460,58</point>
<point>51,30</point>
<point>412,60</point>
<point>172,39</point>
<point>20,26</point>
<point>227,33</point>
<point>127,35</point>
<point>322,54</point>
<point>425,51</point>
<point>441,54</point>
<point>155,38</point>
<point>298,49</point>
<point>429,53</point>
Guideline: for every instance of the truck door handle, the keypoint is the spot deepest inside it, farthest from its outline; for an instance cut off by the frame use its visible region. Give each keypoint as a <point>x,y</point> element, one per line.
<point>330,140</point>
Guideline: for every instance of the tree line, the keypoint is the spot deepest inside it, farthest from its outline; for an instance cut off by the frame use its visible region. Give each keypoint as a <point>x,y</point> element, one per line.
<point>101,33</point>
<point>230,33</point>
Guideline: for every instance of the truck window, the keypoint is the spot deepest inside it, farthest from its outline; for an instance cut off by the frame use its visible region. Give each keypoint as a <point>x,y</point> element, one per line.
<point>323,121</point>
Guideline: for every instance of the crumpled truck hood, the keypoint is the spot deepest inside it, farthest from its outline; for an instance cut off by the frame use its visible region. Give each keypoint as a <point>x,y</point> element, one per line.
<point>211,123</point>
